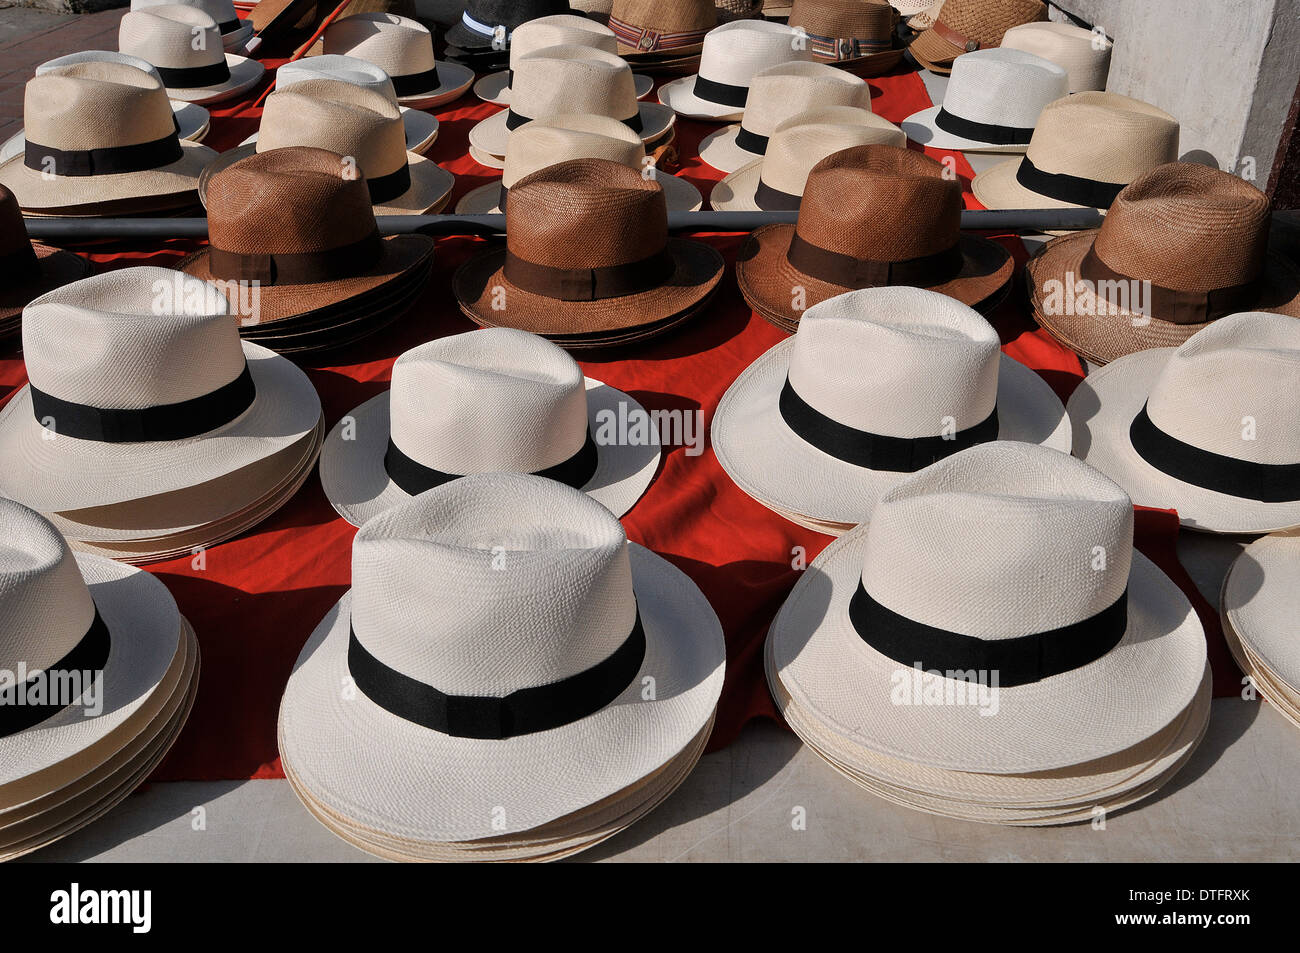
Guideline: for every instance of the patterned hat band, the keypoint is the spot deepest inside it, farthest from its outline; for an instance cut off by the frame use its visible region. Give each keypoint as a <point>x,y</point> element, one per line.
<point>646,40</point>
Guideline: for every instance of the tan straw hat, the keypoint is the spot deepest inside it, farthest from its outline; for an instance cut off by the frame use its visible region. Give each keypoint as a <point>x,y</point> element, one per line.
<point>964,26</point>
<point>856,35</point>
<point>665,30</point>
<point>184,45</point>
<point>234,31</point>
<point>1083,54</point>
<point>402,48</point>
<point>1259,605</point>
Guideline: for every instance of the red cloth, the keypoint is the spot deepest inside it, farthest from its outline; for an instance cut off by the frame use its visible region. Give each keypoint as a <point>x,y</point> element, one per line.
<point>257,598</point>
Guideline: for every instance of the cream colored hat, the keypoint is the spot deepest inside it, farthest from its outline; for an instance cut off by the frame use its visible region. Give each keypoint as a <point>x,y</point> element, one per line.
<point>1260,604</point>
<point>778,93</point>
<point>98,133</point>
<point>1207,429</point>
<point>547,664</point>
<point>544,142</point>
<point>139,386</point>
<point>776,181</point>
<point>355,122</point>
<point>185,46</point>
<point>1104,654</point>
<point>562,80</point>
<point>494,399</point>
<point>1084,150</point>
<point>234,32</point>
<point>733,54</point>
<point>402,48</point>
<point>874,385</point>
<point>991,103</point>
<point>1083,54</point>
<point>563,29</point>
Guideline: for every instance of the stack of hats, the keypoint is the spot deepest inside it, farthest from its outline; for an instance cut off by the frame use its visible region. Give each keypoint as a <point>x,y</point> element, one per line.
<point>854,35</point>
<point>148,430</point>
<point>293,234</point>
<point>813,437</point>
<point>526,682</point>
<point>402,48</point>
<point>28,269</point>
<point>662,36</point>
<point>482,38</point>
<point>184,44</point>
<point>587,260</point>
<point>964,26</point>
<point>1083,54</point>
<point>990,647</point>
<point>116,668</point>
<point>234,32</point>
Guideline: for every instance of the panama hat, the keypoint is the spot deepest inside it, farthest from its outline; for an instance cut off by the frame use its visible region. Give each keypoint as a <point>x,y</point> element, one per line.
<point>355,122</point>
<point>490,24</point>
<point>1182,246</point>
<point>871,216</point>
<point>1107,654</point>
<point>184,45</point>
<point>525,407</point>
<point>421,127</point>
<point>101,136</point>
<point>1206,429</point>
<point>30,268</point>
<point>1084,150</point>
<point>963,26</point>
<point>1083,54</point>
<point>524,674</point>
<point>776,181</point>
<point>653,33</point>
<point>572,79</point>
<point>544,142</point>
<point>563,29</point>
<point>991,103</point>
<point>587,257</point>
<point>811,430</point>
<point>1259,607</point>
<point>402,48</point>
<point>849,34</point>
<point>778,93</point>
<point>733,53</point>
<point>234,32</point>
<point>910,8</point>
<point>924,18</point>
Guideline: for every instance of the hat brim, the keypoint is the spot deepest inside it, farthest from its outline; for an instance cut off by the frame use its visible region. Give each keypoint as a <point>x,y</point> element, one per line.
<point>487,159</point>
<point>921,128</point>
<point>1101,338</point>
<point>494,88</point>
<point>1102,409</point>
<point>765,275</point>
<point>776,467</point>
<point>1120,700</point>
<point>680,195</point>
<point>719,150</point>
<point>698,270</point>
<point>490,135</point>
<point>54,269</point>
<point>1259,602</point>
<point>934,52</point>
<point>453,81</point>
<point>679,96</point>
<point>400,779</point>
<point>234,40</point>
<point>998,188</point>
<point>358,487</point>
<point>245,73</point>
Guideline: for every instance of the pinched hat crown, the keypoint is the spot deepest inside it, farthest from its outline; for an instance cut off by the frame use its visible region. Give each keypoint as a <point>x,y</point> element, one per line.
<point>788,90</point>
<point>844,29</point>
<point>399,45</point>
<point>563,29</point>
<point>94,105</point>
<point>736,51</point>
<point>1000,88</point>
<point>347,69</point>
<point>969,25</point>
<point>572,79</point>
<point>544,142</point>
<point>173,37</point>
<point>801,142</point>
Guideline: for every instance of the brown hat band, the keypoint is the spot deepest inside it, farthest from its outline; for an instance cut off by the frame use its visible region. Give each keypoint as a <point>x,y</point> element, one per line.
<point>297,268</point>
<point>1170,304</point>
<point>964,44</point>
<point>839,48</point>
<point>112,160</point>
<point>590,284</point>
<point>647,40</point>
<point>849,272</point>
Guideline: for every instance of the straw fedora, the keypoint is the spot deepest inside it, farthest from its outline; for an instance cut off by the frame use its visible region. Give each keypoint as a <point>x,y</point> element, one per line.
<point>664,31</point>
<point>991,103</point>
<point>421,127</point>
<point>564,29</point>
<point>733,53</point>
<point>544,142</point>
<point>292,220</point>
<point>1259,606</point>
<point>587,254</point>
<point>1207,429</point>
<point>138,377</point>
<point>101,135</point>
<point>778,93</point>
<point>184,45</point>
<point>490,24</point>
<point>234,32</point>
<point>910,8</point>
<point>776,181</point>
<point>924,17</point>
<point>1084,150</point>
<point>871,216</point>
<point>402,48</point>
<point>29,268</point>
<point>354,122</point>
<point>521,676</point>
<point>525,407</point>
<point>1181,247</point>
<point>1083,54</point>
<point>850,34</point>
<point>805,431</point>
<point>964,26</point>
<point>572,79</point>
<point>1106,654</point>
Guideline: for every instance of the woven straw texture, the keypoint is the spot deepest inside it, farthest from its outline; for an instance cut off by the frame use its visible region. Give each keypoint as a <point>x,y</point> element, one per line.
<point>982,21</point>
<point>1084,55</point>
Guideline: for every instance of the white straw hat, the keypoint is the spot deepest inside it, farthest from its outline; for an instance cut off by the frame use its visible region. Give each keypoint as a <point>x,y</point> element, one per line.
<point>778,93</point>
<point>733,54</point>
<point>1260,603</point>
<point>875,384</point>
<point>991,103</point>
<point>234,32</point>
<point>1083,54</point>
<point>1207,429</point>
<point>140,385</point>
<point>495,399</point>
<point>1005,561</point>
<point>547,664</point>
<point>185,46</point>
<point>776,181</point>
<point>402,48</point>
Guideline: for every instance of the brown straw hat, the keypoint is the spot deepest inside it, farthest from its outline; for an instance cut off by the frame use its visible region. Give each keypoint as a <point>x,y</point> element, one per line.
<point>872,216</point>
<point>28,269</point>
<point>291,222</point>
<point>856,35</point>
<point>662,30</point>
<point>967,25</point>
<point>587,259</point>
<point>1181,247</point>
